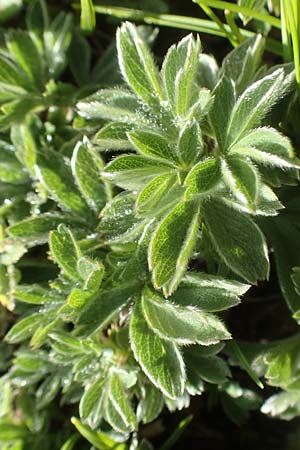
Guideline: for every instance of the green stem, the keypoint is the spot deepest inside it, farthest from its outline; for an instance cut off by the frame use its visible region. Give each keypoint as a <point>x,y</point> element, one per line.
<point>233,26</point>
<point>182,22</point>
<point>177,433</point>
<point>294,19</point>
<point>237,352</point>
<point>286,46</point>
<point>214,18</point>
<point>290,16</point>
<point>218,4</point>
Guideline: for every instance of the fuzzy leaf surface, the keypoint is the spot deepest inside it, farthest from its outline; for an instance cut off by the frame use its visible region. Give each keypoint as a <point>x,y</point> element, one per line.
<point>137,64</point>
<point>238,241</point>
<point>86,166</point>
<point>65,251</point>
<point>160,359</point>
<point>172,246</point>
<point>181,324</point>
<point>119,412</point>
<point>209,292</point>
<point>253,105</point>
<point>57,178</point>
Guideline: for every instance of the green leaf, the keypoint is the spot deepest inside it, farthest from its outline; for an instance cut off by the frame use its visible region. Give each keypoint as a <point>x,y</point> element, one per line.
<point>10,432</point>
<point>285,240</point>
<point>99,440</point>
<point>119,412</point>
<point>137,64</point>
<point>70,443</point>
<point>67,342</point>
<point>11,170</point>
<point>134,171</point>
<point>6,397</point>
<point>57,39</point>
<point>235,349</point>
<point>15,112</point>
<point>56,177</point>
<point>92,272</point>
<point>100,312</point>
<point>9,8</point>
<point>86,166</point>
<point>182,325</point>
<point>118,220</point>
<point>185,77</point>
<point>176,434</point>
<point>178,72</point>
<point>106,71</point>
<point>36,229</point>
<point>12,75</point>
<point>238,241</point>
<point>80,55</point>
<point>40,335</point>
<point>36,294</point>
<point>208,71</point>
<point>242,63</point>
<point>209,292</point>
<point>25,137</point>
<point>284,405</point>
<point>151,144</point>
<point>210,369</point>
<point>110,104</point>
<point>65,251</point>
<point>221,109</point>
<point>172,245</point>
<point>48,390</point>
<point>113,136</point>
<point>150,405</point>
<point>91,407</point>
<point>242,179</point>
<point>237,402</point>
<point>88,16</point>
<point>78,298</point>
<point>149,349</point>
<point>267,202</point>
<point>27,56</point>
<point>190,143</point>
<point>24,328</point>
<point>255,5</point>
<point>253,105</point>
<point>268,147</point>
<point>203,177</point>
<point>155,195</point>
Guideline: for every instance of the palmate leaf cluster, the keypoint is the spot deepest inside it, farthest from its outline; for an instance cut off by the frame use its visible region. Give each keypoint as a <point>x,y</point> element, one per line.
<point>133,217</point>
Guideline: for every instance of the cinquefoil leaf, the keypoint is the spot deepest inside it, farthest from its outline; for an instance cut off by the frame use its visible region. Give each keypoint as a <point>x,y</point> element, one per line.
<point>86,166</point>
<point>134,171</point>
<point>160,359</point>
<point>57,178</point>
<point>181,324</point>
<point>65,251</point>
<point>172,245</point>
<point>209,292</point>
<point>220,112</point>
<point>119,412</point>
<point>268,147</point>
<point>137,64</point>
<point>238,240</point>
<point>253,105</point>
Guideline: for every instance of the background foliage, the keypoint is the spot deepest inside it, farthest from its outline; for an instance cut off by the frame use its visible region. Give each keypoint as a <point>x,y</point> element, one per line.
<point>149,225</point>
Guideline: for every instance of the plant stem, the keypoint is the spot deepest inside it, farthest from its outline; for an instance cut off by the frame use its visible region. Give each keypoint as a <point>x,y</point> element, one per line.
<point>233,26</point>
<point>218,4</point>
<point>214,18</point>
<point>176,21</point>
